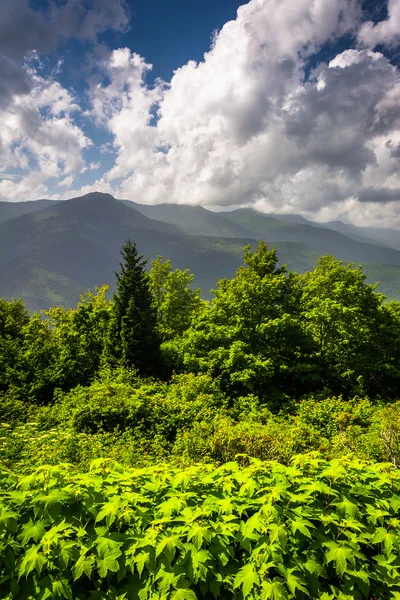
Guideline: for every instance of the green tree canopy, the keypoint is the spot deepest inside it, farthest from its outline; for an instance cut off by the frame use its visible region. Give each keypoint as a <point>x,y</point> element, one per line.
<point>355,332</point>
<point>133,340</point>
<point>13,319</point>
<point>173,298</point>
<point>251,334</point>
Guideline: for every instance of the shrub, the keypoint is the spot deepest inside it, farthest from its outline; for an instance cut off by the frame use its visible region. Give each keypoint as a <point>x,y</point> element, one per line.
<point>330,416</point>
<point>12,410</point>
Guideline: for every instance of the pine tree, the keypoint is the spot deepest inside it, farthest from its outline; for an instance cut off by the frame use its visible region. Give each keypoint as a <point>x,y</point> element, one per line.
<point>133,340</point>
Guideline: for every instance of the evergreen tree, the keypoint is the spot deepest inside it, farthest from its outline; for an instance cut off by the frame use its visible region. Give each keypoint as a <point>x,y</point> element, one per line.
<point>133,340</point>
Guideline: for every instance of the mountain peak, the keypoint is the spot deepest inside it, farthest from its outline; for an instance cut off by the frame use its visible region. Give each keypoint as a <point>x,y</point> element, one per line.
<point>95,197</point>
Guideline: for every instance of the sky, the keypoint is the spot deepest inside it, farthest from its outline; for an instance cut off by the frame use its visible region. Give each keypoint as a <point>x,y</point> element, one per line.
<point>287,106</point>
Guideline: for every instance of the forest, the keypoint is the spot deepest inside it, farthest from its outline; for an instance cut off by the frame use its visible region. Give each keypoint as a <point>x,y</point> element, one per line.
<point>155,445</point>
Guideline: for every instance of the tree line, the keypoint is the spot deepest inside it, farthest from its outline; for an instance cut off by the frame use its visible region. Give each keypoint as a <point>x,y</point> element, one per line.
<point>267,332</point>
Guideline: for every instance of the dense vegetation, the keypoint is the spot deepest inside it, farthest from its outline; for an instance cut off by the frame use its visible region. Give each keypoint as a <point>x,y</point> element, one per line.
<point>155,393</point>
<point>267,531</point>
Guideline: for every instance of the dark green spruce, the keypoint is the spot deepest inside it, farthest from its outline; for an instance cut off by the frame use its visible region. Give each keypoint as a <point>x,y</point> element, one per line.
<point>133,340</point>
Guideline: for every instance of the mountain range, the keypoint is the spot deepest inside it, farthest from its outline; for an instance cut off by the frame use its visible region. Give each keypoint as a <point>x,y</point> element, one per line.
<point>52,251</point>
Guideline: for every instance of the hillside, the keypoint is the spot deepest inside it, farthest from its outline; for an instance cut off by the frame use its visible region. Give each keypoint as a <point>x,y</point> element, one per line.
<point>52,254</point>
<point>193,219</point>
<point>11,210</point>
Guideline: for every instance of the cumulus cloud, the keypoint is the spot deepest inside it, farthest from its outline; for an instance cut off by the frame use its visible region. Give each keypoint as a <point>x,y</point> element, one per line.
<point>260,121</point>
<point>38,135</point>
<point>23,29</point>
<point>245,125</point>
<point>39,138</point>
<point>385,32</point>
<point>379,195</point>
<point>14,79</point>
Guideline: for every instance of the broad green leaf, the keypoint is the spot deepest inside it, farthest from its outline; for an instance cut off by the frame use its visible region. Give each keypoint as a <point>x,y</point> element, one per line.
<point>169,545</point>
<point>340,555</point>
<point>273,590</point>
<point>302,525</point>
<point>246,578</point>
<point>110,511</point>
<point>106,546</point>
<point>32,531</point>
<point>387,538</point>
<point>84,565</point>
<point>108,563</point>
<point>62,589</point>
<point>166,579</point>
<point>183,595</point>
<point>33,560</point>
<point>278,533</point>
<point>8,519</point>
<point>347,508</point>
<point>197,534</point>
<point>141,560</point>
<point>294,582</point>
<point>52,498</point>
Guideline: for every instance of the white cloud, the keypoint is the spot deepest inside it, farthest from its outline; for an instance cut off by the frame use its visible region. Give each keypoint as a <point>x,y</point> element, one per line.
<point>242,127</point>
<point>67,181</point>
<point>38,136</point>
<point>24,28</point>
<point>385,32</point>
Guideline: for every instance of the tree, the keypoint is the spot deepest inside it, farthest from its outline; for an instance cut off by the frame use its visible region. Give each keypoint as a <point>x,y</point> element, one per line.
<point>251,335</point>
<point>173,299</point>
<point>13,319</point>
<point>79,336</point>
<point>133,339</point>
<point>355,333</point>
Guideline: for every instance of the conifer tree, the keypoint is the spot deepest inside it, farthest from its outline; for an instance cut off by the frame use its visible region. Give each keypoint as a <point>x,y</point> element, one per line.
<point>133,340</point>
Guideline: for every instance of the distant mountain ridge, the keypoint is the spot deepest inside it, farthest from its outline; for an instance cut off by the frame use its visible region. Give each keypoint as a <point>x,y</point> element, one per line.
<point>51,251</point>
<point>10,210</point>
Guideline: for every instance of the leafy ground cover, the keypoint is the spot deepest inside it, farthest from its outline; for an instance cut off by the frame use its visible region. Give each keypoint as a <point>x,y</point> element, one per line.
<point>261,530</point>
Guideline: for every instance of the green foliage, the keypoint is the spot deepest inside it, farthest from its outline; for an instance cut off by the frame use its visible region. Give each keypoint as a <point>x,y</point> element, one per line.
<point>354,332</point>
<point>330,416</point>
<point>63,348</point>
<point>79,337</point>
<point>173,299</point>
<point>276,366</point>
<point>251,335</point>
<point>133,339</point>
<point>13,319</point>
<point>312,529</point>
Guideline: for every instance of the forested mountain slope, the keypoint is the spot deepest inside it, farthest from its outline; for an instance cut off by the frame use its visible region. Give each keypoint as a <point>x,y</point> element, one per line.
<point>52,255</point>
<point>10,210</point>
<point>50,252</point>
<point>336,238</point>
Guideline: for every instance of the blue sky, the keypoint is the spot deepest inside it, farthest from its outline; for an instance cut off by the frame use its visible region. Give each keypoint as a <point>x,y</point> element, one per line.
<point>295,107</point>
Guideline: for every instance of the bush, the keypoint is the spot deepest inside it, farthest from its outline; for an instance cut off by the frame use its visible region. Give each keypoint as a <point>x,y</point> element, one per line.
<point>146,408</point>
<point>330,416</point>
<point>380,440</point>
<point>275,440</point>
<point>12,410</point>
